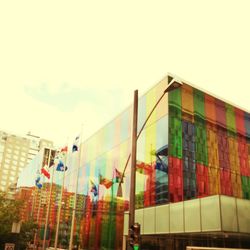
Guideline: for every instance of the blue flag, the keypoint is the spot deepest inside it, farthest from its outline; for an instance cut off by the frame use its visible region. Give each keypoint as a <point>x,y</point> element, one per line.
<point>38,184</point>
<point>60,167</point>
<point>93,188</point>
<point>75,146</point>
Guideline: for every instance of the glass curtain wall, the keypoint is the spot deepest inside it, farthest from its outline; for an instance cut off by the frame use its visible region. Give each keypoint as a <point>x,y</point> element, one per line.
<point>209,144</point>
<point>193,145</point>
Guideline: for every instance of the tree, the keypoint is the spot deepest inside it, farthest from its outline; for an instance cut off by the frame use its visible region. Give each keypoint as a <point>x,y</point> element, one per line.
<point>9,213</point>
<point>27,233</point>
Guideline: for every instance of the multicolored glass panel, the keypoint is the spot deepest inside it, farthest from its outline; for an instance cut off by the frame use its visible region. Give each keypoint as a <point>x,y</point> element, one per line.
<point>216,145</point>
<point>193,145</point>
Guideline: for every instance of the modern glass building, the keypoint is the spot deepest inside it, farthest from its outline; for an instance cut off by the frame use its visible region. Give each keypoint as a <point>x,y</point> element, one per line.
<point>192,178</point>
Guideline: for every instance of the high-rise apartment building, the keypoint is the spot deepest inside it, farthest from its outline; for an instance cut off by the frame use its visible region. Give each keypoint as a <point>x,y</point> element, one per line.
<point>15,153</point>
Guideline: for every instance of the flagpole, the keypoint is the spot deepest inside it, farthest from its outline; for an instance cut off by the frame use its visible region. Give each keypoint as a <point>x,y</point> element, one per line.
<point>33,202</point>
<point>60,203</point>
<point>39,206</point>
<point>75,197</point>
<point>48,208</point>
<point>111,210</point>
<point>38,214</point>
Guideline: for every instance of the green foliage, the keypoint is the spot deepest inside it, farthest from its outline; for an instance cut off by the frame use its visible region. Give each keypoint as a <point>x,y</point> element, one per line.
<point>27,233</point>
<point>9,213</point>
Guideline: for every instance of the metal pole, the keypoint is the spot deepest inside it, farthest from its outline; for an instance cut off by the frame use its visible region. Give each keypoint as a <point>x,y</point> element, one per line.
<point>33,202</point>
<point>60,205</point>
<point>133,162</point>
<point>139,133</point>
<point>38,214</point>
<point>75,197</point>
<point>48,208</point>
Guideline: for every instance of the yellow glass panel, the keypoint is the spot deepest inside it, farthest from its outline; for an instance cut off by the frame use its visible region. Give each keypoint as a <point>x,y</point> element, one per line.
<point>139,218</point>
<point>150,102</point>
<point>214,180</point>
<point>162,108</point>
<point>233,154</point>
<point>228,214</point>
<point>150,144</point>
<point>125,225</point>
<point>176,218</point>
<point>210,214</point>
<point>162,219</point>
<point>149,220</point>
<point>236,184</point>
<point>192,216</point>
<point>243,211</point>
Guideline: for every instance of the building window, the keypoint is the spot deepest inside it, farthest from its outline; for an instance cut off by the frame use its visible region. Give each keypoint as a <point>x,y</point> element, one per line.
<point>12,173</point>
<point>12,178</point>
<point>6,166</point>
<point>8,155</point>
<point>7,161</point>
<point>15,157</point>
<point>24,154</point>
<point>13,168</point>
<point>4,177</point>
<point>23,159</point>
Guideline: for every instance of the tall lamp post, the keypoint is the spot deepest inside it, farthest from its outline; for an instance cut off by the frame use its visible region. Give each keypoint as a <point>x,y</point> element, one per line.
<point>134,228</point>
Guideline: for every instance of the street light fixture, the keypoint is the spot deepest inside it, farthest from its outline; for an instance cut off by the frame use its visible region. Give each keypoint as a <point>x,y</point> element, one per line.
<point>173,83</point>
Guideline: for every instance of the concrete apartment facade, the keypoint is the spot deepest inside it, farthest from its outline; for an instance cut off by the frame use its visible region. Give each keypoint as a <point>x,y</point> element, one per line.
<point>15,153</point>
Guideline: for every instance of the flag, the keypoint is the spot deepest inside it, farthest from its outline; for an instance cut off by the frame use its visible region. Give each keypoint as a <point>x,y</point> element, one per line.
<point>118,176</point>
<point>143,168</point>
<point>105,182</point>
<point>38,184</point>
<point>93,188</point>
<point>64,150</point>
<point>45,171</point>
<point>75,146</point>
<point>60,155</point>
<point>60,166</point>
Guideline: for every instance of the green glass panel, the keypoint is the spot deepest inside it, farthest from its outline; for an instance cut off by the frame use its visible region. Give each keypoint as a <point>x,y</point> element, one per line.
<point>175,132</point>
<point>104,231</point>
<point>199,103</point>
<point>112,226</point>
<point>201,154</point>
<point>174,98</point>
<point>230,117</point>
<point>174,111</point>
<point>244,181</point>
<point>245,187</point>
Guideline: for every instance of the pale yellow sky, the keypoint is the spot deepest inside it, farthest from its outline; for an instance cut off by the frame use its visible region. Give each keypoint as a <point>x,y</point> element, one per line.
<point>63,63</point>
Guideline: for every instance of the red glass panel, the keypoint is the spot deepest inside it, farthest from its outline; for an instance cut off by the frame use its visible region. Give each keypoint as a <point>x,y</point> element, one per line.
<point>210,111</point>
<point>225,182</point>
<point>175,179</point>
<point>220,113</point>
<point>202,180</point>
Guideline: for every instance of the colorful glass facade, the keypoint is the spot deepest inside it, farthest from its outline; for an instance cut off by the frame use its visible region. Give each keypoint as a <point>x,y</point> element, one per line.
<point>193,145</point>
<point>211,155</point>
